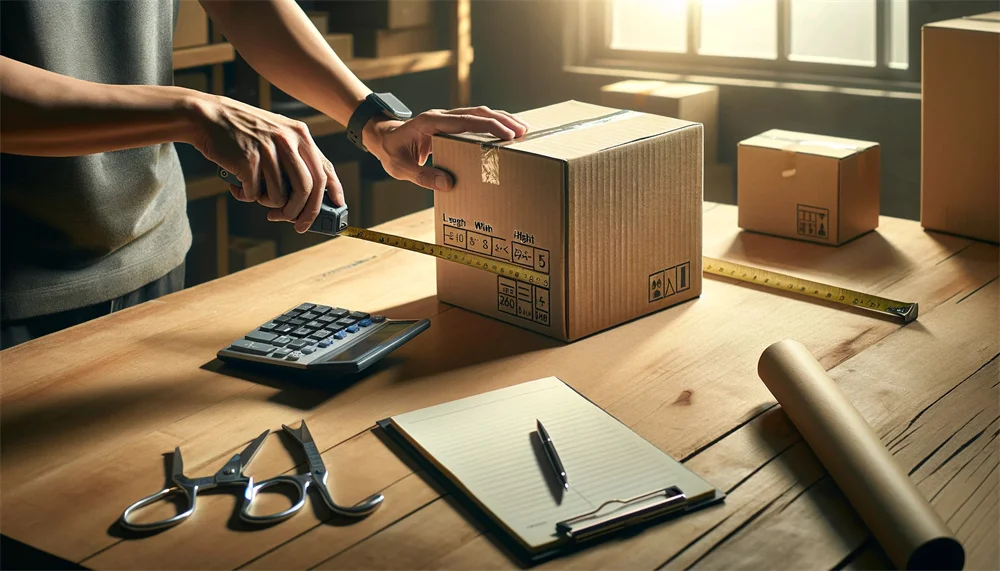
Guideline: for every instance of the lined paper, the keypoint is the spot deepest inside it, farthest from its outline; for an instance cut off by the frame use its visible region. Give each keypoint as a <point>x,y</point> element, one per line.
<point>487,445</point>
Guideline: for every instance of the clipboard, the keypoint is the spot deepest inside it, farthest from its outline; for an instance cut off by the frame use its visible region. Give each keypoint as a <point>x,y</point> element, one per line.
<point>614,516</point>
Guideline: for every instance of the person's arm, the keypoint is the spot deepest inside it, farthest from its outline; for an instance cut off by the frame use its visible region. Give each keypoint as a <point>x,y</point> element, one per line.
<point>280,42</point>
<point>47,114</point>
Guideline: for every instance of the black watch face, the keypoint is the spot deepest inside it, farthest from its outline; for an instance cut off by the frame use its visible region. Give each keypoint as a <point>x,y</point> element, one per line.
<point>393,106</point>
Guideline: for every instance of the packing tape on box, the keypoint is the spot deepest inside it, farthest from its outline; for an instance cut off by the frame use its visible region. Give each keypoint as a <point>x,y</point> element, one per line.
<point>490,149</point>
<point>811,143</point>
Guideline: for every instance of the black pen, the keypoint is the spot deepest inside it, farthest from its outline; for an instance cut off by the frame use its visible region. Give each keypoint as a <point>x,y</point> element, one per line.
<point>550,451</point>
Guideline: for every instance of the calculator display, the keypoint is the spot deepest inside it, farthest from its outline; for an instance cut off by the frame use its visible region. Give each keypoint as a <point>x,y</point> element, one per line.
<point>372,341</point>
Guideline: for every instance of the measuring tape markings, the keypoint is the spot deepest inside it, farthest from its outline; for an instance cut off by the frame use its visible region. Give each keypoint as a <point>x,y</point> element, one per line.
<point>907,312</point>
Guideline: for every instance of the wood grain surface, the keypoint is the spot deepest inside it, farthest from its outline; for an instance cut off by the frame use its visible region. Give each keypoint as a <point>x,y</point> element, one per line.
<point>88,413</point>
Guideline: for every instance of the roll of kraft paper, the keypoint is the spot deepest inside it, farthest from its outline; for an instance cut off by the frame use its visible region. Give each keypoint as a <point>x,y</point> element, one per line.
<point>899,517</point>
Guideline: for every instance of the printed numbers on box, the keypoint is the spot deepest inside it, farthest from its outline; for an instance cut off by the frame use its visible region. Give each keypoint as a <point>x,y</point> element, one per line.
<point>541,317</point>
<point>507,304</point>
<point>541,260</point>
<point>523,255</point>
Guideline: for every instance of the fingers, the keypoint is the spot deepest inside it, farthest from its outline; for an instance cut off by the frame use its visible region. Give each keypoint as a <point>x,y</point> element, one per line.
<point>270,171</point>
<point>316,163</point>
<point>249,178</point>
<point>516,125</point>
<point>301,180</point>
<point>333,186</point>
<point>427,177</point>
<point>462,123</point>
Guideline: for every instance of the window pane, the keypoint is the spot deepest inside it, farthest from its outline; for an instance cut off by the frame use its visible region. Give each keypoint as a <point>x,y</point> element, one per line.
<point>833,31</point>
<point>649,25</point>
<point>742,28</point>
<point>899,19</point>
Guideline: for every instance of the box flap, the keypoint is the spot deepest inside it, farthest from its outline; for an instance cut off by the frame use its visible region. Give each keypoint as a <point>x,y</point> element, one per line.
<point>658,88</point>
<point>572,129</point>
<point>989,23</point>
<point>807,143</point>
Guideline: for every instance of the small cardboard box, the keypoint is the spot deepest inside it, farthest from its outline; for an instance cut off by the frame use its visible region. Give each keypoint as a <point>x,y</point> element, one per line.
<point>246,252</point>
<point>606,202</point>
<point>379,14</point>
<point>342,44</point>
<point>384,43</point>
<point>960,106</point>
<point>320,19</point>
<point>809,187</point>
<point>388,199</point>
<point>191,27</point>
<point>687,101</point>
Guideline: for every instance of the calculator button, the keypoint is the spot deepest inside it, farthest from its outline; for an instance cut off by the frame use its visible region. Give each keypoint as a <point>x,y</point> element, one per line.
<point>321,334</point>
<point>365,323</point>
<point>297,344</point>
<point>281,319</point>
<point>321,309</point>
<point>270,325</point>
<point>292,314</point>
<point>359,315</point>
<point>378,318</point>
<point>297,322</point>
<point>308,350</point>
<point>326,319</point>
<point>294,356</point>
<point>340,335</point>
<point>282,341</point>
<point>251,347</point>
<point>338,312</point>
<point>324,343</point>
<point>314,325</point>
<point>283,329</point>
<point>309,316</point>
<point>345,322</point>
<point>352,329</point>
<point>281,353</point>
<point>304,307</point>
<point>261,336</point>
<point>303,332</point>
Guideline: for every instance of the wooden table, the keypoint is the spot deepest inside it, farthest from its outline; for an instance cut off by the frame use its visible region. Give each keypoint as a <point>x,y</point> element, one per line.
<point>88,413</point>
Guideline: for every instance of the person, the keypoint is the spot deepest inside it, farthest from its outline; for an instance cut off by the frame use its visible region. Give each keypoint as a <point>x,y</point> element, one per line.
<point>93,200</point>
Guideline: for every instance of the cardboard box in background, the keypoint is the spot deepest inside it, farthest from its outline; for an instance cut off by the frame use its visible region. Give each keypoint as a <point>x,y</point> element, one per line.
<point>960,147</point>
<point>191,27</point>
<point>378,14</point>
<point>245,252</point>
<point>808,187</point>
<point>250,219</point>
<point>388,199</point>
<point>610,210</point>
<point>319,19</point>
<point>687,101</point>
<point>384,43</point>
<point>342,44</point>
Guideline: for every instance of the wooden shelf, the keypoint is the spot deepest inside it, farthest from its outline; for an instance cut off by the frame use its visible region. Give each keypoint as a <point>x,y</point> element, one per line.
<point>198,56</point>
<point>204,187</point>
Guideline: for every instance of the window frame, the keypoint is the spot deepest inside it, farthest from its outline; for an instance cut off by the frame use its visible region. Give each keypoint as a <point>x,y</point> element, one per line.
<point>589,44</point>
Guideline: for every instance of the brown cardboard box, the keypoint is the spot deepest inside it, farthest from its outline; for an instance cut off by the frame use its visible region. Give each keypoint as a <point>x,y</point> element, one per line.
<point>960,151</point>
<point>197,80</point>
<point>342,44</point>
<point>354,15</point>
<point>384,43</point>
<point>320,19</point>
<point>191,28</point>
<point>687,101</point>
<point>607,202</point>
<point>809,187</point>
<point>250,219</point>
<point>389,199</point>
<point>245,252</point>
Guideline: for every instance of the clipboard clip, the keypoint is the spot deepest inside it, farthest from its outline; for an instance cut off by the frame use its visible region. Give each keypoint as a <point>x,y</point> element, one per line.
<point>635,510</point>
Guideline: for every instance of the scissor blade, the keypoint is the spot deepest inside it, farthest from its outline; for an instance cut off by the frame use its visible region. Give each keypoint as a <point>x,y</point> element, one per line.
<point>251,450</point>
<point>301,433</point>
<point>177,463</point>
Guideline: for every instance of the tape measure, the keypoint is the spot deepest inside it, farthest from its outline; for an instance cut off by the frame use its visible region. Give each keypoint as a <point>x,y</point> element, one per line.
<point>332,220</point>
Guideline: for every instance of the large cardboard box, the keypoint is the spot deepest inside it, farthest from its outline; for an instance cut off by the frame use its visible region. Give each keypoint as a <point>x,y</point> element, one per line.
<point>606,202</point>
<point>388,199</point>
<point>191,27</point>
<point>687,101</point>
<point>960,151</point>
<point>809,187</point>
<point>342,44</point>
<point>354,15</point>
<point>385,43</point>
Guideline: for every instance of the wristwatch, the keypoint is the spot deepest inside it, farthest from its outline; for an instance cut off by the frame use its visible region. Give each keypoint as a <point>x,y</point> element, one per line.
<point>375,104</point>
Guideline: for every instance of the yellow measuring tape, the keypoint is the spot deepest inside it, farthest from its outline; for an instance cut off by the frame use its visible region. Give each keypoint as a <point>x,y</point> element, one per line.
<point>904,311</point>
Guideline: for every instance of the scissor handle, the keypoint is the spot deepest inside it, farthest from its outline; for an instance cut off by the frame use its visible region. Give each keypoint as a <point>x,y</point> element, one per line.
<point>299,483</point>
<point>190,494</point>
<point>360,509</point>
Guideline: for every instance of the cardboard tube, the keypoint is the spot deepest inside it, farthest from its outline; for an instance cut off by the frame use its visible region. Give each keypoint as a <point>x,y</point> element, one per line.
<point>897,514</point>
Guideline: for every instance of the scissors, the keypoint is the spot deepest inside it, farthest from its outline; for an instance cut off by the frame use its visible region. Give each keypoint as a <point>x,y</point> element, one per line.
<point>232,474</point>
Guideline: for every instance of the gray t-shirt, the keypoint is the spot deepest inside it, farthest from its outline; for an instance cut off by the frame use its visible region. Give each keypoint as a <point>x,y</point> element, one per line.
<point>75,231</point>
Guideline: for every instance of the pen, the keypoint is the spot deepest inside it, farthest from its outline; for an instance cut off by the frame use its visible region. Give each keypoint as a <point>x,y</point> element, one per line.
<point>550,451</point>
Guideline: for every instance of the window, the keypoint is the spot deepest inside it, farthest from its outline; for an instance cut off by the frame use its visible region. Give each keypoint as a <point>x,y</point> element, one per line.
<point>860,38</point>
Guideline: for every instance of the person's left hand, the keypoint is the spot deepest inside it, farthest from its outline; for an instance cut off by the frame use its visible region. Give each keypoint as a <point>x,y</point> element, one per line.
<point>403,146</point>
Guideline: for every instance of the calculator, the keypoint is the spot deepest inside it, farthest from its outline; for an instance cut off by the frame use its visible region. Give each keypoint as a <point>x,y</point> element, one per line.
<point>323,339</point>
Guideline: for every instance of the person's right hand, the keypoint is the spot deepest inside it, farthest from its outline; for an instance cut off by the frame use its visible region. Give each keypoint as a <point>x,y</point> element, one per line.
<point>259,146</point>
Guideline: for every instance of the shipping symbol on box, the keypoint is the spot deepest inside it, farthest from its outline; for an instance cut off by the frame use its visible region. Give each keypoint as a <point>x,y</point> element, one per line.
<point>813,221</point>
<point>668,282</point>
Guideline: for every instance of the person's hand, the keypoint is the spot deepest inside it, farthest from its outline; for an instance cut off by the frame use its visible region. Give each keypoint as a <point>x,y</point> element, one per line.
<point>261,147</point>
<point>403,146</point>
